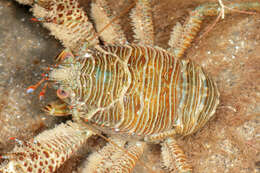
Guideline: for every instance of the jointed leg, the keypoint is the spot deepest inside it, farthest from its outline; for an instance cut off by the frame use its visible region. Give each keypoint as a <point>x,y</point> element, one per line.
<point>183,35</point>
<point>127,161</point>
<point>48,151</point>
<point>100,161</point>
<point>113,158</point>
<point>68,23</point>
<point>172,153</point>
<point>142,22</point>
<point>102,15</point>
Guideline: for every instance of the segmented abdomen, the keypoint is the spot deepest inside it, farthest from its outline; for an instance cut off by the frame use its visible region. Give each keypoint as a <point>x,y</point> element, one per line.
<point>164,93</point>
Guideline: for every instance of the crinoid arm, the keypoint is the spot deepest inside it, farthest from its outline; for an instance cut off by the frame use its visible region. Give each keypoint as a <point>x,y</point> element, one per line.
<point>48,151</point>
<point>142,21</point>
<point>182,35</point>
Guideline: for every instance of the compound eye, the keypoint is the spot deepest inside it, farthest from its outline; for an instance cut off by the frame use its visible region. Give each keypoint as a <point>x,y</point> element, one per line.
<point>62,94</point>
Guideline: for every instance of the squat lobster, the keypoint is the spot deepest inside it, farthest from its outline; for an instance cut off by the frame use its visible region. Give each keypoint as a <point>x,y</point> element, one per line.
<point>135,91</point>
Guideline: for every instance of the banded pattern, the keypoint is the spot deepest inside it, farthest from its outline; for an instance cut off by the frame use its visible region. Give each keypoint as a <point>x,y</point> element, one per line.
<point>165,93</point>
<point>198,100</point>
<point>101,81</point>
<point>154,74</point>
<point>142,91</point>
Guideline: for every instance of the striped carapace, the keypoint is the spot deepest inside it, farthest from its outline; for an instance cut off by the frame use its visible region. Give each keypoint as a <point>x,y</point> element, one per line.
<point>139,91</point>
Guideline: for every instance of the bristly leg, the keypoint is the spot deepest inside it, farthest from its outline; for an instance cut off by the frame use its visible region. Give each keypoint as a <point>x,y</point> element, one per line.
<point>111,158</point>
<point>143,24</point>
<point>103,15</point>
<point>48,151</point>
<point>127,161</point>
<point>183,35</point>
<point>172,153</point>
<point>68,23</point>
<point>101,160</point>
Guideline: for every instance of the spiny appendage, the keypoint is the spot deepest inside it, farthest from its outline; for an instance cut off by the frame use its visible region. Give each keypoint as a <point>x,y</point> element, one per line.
<point>102,15</point>
<point>142,21</point>
<point>175,37</point>
<point>127,161</point>
<point>182,36</point>
<point>67,21</point>
<point>49,150</point>
<point>102,160</point>
<point>173,157</point>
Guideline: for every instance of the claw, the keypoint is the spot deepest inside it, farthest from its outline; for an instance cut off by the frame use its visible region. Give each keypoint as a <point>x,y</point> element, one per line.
<point>16,140</point>
<point>41,95</point>
<point>37,19</point>
<point>41,19</point>
<point>30,89</point>
<point>4,157</point>
<point>43,91</point>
